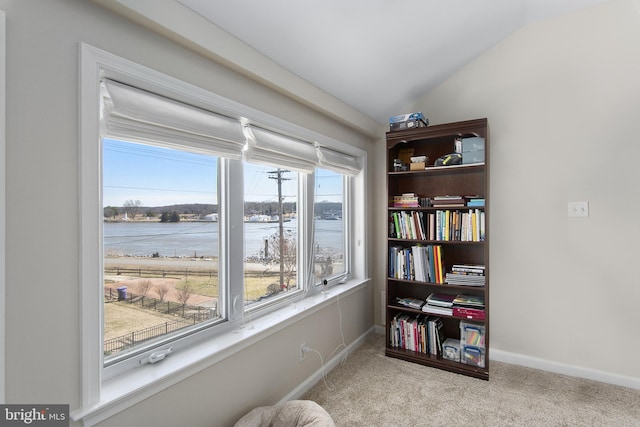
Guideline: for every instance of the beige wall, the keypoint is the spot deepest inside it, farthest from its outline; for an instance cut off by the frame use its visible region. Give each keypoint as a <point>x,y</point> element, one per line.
<point>42,284</point>
<point>562,98</point>
<point>563,102</point>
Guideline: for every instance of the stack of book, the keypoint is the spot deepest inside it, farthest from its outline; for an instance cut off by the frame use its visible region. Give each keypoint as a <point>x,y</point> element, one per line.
<point>439,304</point>
<point>448,201</point>
<point>406,200</point>
<point>469,307</point>
<point>466,275</point>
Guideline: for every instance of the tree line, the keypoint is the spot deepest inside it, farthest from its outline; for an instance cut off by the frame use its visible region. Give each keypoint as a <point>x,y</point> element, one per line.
<point>134,208</point>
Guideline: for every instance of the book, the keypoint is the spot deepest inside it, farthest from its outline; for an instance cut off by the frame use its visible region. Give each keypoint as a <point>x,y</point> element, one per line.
<point>439,265</point>
<point>475,201</point>
<point>439,304</point>
<point>469,313</point>
<point>411,302</point>
<point>448,201</point>
<point>434,309</point>
<point>442,300</point>
<point>469,301</point>
<point>406,200</point>
<point>436,335</point>
<point>464,279</point>
<point>468,268</point>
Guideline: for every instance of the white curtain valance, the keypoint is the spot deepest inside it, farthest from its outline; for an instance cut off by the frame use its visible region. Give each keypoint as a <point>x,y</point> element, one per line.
<point>337,161</point>
<point>136,115</point>
<point>275,149</point>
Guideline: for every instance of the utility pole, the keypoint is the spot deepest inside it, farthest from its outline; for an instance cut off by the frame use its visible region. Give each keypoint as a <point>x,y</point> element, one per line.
<point>277,175</point>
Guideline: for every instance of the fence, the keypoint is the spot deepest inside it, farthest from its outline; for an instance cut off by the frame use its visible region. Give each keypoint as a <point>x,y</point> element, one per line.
<point>151,272</point>
<point>120,343</point>
<point>189,315</point>
<point>168,307</point>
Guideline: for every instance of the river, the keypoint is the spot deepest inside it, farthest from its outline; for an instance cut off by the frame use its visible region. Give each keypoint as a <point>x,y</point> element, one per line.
<point>200,239</point>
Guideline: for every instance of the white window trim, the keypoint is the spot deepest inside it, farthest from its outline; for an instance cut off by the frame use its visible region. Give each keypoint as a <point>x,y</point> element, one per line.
<point>3,136</point>
<point>102,398</point>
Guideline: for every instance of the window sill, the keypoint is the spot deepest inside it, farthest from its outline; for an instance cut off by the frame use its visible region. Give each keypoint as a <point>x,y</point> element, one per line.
<point>124,391</point>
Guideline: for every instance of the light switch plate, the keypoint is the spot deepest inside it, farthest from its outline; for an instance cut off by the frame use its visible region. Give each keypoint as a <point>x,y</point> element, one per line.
<point>579,209</point>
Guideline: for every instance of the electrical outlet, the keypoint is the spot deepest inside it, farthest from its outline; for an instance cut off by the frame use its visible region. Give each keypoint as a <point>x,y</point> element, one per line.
<point>303,351</point>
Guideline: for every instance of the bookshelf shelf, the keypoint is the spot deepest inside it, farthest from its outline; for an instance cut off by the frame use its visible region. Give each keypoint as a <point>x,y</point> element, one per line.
<point>441,169</point>
<point>421,260</point>
<point>445,287</point>
<point>435,362</point>
<point>438,242</point>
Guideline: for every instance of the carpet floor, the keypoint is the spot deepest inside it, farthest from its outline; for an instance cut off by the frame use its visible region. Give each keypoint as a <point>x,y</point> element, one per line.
<point>370,389</point>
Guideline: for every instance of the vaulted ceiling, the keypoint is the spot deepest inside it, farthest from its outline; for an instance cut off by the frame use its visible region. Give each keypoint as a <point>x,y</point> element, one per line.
<point>365,58</point>
<point>376,55</point>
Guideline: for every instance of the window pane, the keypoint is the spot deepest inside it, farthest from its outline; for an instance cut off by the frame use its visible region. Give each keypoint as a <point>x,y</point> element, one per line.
<point>270,232</point>
<point>329,231</point>
<point>160,236</point>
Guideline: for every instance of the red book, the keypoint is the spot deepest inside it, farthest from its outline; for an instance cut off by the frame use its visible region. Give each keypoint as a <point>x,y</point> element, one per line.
<point>468,313</point>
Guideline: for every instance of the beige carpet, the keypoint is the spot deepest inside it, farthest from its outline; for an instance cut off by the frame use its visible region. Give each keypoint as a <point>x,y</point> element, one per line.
<point>370,389</point>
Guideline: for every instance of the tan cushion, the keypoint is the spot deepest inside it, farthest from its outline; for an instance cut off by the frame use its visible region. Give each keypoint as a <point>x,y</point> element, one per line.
<point>294,413</point>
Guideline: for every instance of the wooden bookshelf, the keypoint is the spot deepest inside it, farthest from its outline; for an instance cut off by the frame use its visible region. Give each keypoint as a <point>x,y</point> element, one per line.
<point>454,246</point>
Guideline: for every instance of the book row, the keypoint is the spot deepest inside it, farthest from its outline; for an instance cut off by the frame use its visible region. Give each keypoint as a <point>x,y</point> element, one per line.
<point>441,225</point>
<point>411,200</point>
<point>422,334</point>
<point>419,263</point>
<point>425,334</point>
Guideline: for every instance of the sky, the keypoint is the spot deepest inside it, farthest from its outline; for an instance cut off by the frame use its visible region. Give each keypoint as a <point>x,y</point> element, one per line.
<point>159,176</point>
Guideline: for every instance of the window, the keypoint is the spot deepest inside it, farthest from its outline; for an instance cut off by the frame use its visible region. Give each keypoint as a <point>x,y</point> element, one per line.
<point>160,239</point>
<point>329,225</point>
<point>270,233</point>
<point>209,197</point>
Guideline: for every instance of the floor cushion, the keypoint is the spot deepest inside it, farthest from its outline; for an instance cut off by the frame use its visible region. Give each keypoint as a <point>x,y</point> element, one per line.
<point>294,413</point>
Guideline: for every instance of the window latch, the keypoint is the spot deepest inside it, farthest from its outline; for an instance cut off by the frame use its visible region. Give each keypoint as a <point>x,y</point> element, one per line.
<point>156,356</point>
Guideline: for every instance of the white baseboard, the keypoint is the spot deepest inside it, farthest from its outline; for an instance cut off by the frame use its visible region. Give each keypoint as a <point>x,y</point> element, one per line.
<point>497,355</point>
<point>317,376</point>
<point>564,369</point>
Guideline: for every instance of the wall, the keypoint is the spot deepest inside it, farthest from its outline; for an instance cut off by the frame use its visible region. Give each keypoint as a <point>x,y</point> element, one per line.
<point>563,99</point>
<point>42,284</point>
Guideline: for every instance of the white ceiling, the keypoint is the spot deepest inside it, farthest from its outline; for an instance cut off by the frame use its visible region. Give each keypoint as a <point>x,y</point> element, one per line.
<point>377,56</point>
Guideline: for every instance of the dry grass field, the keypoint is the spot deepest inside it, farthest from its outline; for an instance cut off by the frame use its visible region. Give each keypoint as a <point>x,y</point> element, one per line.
<point>122,318</point>
<point>147,276</point>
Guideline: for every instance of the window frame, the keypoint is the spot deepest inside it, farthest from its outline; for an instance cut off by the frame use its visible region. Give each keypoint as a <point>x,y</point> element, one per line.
<point>174,341</point>
<point>97,394</point>
<point>3,211</point>
<point>273,303</point>
<point>347,221</point>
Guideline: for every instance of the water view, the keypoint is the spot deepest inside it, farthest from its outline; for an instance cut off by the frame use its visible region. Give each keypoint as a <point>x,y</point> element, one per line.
<point>194,239</point>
